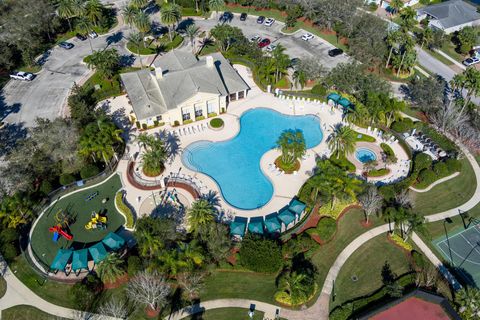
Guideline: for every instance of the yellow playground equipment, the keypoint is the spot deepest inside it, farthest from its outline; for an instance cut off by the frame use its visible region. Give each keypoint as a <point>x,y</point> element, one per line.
<point>97,221</point>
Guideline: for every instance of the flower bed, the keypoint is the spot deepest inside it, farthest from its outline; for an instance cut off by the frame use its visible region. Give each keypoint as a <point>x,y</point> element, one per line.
<point>399,242</point>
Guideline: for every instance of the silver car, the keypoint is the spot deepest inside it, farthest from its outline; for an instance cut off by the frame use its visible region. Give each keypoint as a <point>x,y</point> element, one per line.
<point>21,75</point>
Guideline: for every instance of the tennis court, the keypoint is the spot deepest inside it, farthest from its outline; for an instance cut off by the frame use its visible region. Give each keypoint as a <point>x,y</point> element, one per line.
<point>462,249</point>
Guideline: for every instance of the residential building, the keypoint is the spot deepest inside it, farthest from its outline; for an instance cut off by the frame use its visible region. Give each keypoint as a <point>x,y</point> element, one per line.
<point>183,88</point>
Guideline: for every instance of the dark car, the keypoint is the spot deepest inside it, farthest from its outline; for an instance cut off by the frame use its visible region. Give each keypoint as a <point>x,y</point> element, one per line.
<point>265,42</point>
<point>65,45</point>
<point>80,37</point>
<point>226,17</point>
<point>335,52</point>
<point>243,16</point>
<point>260,19</point>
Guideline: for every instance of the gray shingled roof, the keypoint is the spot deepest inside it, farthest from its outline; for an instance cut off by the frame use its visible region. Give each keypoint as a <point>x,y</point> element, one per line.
<point>452,13</point>
<point>183,77</point>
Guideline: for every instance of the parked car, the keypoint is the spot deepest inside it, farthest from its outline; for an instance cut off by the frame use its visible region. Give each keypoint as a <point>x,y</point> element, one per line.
<point>270,48</point>
<point>80,37</point>
<point>92,34</point>
<point>269,22</point>
<point>66,45</point>
<point>335,52</point>
<point>307,37</point>
<point>20,75</point>
<point>260,19</point>
<point>255,38</point>
<point>264,42</point>
<point>226,16</point>
<point>471,61</point>
<point>243,16</point>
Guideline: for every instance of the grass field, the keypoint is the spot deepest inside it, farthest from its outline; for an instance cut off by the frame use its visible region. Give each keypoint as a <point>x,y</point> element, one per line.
<point>24,312</point>
<point>448,194</point>
<point>366,264</point>
<point>75,203</point>
<point>226,313</point>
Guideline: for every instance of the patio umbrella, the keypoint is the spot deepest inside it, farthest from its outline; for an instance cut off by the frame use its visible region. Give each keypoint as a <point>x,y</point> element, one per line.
<point>256,225</point>
<point>237,227</point>
<point>61,259</point>
<point>113,241</point>
<point>272,224</point>
<point>98,252</point>
<point>80,259</point>
<point>297,207</point>
<point>286,216</point>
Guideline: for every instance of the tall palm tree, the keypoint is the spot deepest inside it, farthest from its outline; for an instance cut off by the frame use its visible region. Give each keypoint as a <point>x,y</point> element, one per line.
<point>84,27</point>
<point>93,11</point>
<point>78,7</point>
<point>136,40</point>
<point>396,5</point>
<point>139,4</point>
<point>99,139</point>
<point>427,37</point>
<point>216,5</point>
<point>408,48</point>
<point>129,14</point>
<point>65,10</point>
<point>392,41</point>
<point>281,61</point>
<point>148,245</point>
<point>111,268</point>
<point>292,145</point>
<point>199,216</point>
<point>143,24</point>
<point>192,32</point>
<point>170,14</point>
<point>297,286</point>
<point>342,141</point>
<point>300,78</point>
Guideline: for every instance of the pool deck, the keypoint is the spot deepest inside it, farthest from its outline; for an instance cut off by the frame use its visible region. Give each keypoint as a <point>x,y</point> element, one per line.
<point>286,186</point>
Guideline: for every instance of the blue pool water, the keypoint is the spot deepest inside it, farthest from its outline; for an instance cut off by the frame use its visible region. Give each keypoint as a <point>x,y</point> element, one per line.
<point>235,164</point>
<point>365,155</point>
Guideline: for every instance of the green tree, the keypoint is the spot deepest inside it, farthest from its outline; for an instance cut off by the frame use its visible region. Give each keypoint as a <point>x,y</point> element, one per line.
<point>260,255</point>
<point>192,32</point>
<point>154,156</point>
<point>136,40</point>
<point>110,268</point>
<point>292,145</point>
<point>93,11</point>
<point>392,39</point>
<point>170,15</point>
<point>408,18</point>
<point>216,5</point>
<point>300,78</point>
<point>342,141</point>
<point>142,23</point>
<point>105,62</point>
<point>396,6</point>
<point>426,37</point>
<point>199,216</point>
<point>468,301</point>
<point>139,4</point>
<point>218,242</point>
<point>297,286</point>
<point>84,26</point>
<point>129,15</point>
<point>281,61</point>
<point>16,210</point>
<point>99,140</point>
<point>466,39</point>
<point>65,10</point>
<point>225,35</point>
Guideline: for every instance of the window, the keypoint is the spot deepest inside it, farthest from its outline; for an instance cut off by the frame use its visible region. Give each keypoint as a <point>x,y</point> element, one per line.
<point>241,94</point>
<point>233,97</point>
<point>198,110</point>
<point>159,118</point>
<point>211,106</point>
<point>185,114</point>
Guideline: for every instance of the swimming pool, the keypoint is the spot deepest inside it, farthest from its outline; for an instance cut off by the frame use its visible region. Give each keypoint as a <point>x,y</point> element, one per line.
<point>365,155</point>
<point>235,164</point>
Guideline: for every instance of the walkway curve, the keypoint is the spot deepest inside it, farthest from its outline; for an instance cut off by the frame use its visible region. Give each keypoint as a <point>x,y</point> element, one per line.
<point>320,309</point>
<point>430,187</point>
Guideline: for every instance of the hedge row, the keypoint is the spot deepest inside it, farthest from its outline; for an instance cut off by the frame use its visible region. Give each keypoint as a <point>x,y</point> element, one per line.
<point>125,210</point>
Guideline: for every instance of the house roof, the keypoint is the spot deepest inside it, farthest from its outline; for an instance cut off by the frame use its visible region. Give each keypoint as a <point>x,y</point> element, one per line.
<point>183,76</point>
<point>451,13</point>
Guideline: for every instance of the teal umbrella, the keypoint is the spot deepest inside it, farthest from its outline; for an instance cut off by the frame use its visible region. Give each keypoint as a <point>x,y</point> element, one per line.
<point>238,226</point>
<point>80,259</point>
<point>256,225</point>
<point>297,207</point>
<point>98,252</point>
<point>61,259</point>
<point>113,241</point>
<point>272,224</point>
<point>286,216</point>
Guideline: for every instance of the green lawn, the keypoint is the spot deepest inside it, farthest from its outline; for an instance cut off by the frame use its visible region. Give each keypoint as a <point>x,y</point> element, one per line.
<point>226,313</point>
<point>239,284</point>
<point>107,87</point>
<point>3,287</point>
<point>440,58</point>
<point>153,48</point>
<point>75,203</point>
<point>24,312</point>
<point>366,264</point>
<point>449,48</point>
<point>448,194</point>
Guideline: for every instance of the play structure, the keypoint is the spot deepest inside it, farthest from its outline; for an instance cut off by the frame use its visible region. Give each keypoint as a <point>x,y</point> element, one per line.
<point>97,221</point>
<point>63,221</point>
<point>58,231</point>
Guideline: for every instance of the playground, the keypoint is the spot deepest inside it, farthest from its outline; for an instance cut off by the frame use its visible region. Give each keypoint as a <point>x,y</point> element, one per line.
<point>78,220</point>
<point>462,250</point>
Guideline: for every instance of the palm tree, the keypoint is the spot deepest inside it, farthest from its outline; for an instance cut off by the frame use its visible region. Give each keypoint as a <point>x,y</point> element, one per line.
<point>139,4</point>
<point>342,141</point>
<point>143,24</point>
<point>292,145</point>
<point>408,50</point>
<point>392,41</point>
<point>154,156</point>
<point>300,78</point>
<point>170,15</point>
<point>111,268</point>
<point>192,32</point>
<point>66,11</point>
<point>216,5</point>
<point>105,62</point>
<point>396,5</point>
<point>93,11</point>
<point>136,40</point>
<point>129,15</point>
<point>84,27</point>
<point>78,7</point>
<point>199,216</point>
<point>468,299</point>
<point>16,210</point>
<point>407,16</point>
<point>297,286</point>
<point>99,139</point>
<point>281,61</point>
<point>191,254</point>
<point>427,37</point>
<point>148,245</point>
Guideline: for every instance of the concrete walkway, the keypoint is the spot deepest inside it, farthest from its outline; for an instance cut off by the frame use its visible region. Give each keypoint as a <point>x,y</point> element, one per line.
<point>439,181</point>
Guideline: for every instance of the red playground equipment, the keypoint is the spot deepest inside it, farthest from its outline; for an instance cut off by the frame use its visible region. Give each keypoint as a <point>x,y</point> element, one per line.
<point>57,230</point>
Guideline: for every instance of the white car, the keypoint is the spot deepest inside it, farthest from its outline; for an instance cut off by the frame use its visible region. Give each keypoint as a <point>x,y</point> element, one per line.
<point>20,75</point>
<point>92,34</point>
<point>471,61</point>
<point>255,38</point>
<point>270,48</point>
<point>269,21</point>
<point>307,37</point>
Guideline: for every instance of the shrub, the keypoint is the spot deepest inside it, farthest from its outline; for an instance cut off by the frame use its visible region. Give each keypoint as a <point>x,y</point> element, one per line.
<point>319,90</point>
<point>325,228</point>
<point>125,210</point>
<point>387,149</point>
<point>9,251</point>
<point>144,126</point>
<point>403,125</point>
<point>45,187</point>
<point>399,241</point>
<point>418,259</point>
<point>373,6</point>
<point>421,161</point>
<point>441,169</point>
<point>66,179</point>
<point>364,137</point>
<point>426,177</point>
<point>89,171</point>
<point>187,121</point>
<point>222,110</point>
<point>134,265</point>
<point>155,123</point>
<point>453,165</point>
<point>378,172</point>
<point>260,255</point>
<point>343,163</point>
<point>137,124</point>
<point>176,123</point>
<point>199,118</point>
<point>212,114</point>
<point>298,244</point>
<point>216,123</point>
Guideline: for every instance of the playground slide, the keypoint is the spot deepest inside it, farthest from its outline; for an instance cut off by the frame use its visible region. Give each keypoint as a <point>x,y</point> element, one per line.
<point>65,235</point>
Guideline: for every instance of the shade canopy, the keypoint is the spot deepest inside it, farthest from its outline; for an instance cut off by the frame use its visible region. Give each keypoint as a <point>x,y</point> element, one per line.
<point>98,252</point>
<point>297,207</point>
<point>80,259</point>
<point>113,241</point>
<point>237,227</point>
<point>61,259</point>
<point>286,216</point>
<point>256,225</point>
<point>334,96</point>
<point>272,224</point>
<point>344,102</point>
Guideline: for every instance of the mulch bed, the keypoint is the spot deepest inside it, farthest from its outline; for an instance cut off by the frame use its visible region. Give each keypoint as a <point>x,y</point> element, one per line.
<point>232,258</point>
<point>121,280</point>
